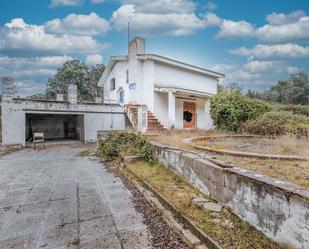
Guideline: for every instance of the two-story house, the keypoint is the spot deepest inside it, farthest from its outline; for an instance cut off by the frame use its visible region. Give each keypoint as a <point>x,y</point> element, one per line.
<point>176,94</point>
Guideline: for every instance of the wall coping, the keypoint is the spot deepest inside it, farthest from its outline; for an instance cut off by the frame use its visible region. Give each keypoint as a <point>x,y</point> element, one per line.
<point>284,186</point>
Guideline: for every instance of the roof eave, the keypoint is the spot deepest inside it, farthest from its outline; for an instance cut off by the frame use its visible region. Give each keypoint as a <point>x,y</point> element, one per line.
<point>112,61</point>
<point>180,64</point>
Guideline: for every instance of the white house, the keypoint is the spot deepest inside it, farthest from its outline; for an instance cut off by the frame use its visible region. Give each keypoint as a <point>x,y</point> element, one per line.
<point>175,94</point>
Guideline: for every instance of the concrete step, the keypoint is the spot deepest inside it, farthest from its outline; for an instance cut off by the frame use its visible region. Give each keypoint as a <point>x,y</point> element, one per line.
<point>154,125</point>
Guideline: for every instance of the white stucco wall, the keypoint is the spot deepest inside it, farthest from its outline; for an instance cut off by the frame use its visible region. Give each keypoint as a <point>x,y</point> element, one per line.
<point>96,117</point>
<point>119,72</point>
<point>146,93</point>
<point>161,107</point>
<point>168,76</point>
<point>179,114</point>
<point>95,122</point>
<point>203,121</point>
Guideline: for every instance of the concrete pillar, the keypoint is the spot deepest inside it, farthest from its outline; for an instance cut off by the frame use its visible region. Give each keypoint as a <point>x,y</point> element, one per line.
<point>98,100</point>
<point>142,118</point>
<point>59,97</point>
<point>171,109</point>
<point>8,89</point>
<point>72,94</point>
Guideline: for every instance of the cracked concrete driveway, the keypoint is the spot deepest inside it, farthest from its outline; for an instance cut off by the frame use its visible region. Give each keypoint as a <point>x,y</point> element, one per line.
<point>55,199</point>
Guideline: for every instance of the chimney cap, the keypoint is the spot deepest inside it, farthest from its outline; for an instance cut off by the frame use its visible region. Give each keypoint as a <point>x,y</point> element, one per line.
<point>137,38</point>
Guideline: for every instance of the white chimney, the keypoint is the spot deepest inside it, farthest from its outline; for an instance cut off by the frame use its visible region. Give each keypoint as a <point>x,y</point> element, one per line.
<point>136,47</point>
<point>72,94</point>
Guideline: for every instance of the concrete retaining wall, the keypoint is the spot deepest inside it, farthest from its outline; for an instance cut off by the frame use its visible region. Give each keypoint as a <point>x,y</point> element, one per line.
<point>279,209</point>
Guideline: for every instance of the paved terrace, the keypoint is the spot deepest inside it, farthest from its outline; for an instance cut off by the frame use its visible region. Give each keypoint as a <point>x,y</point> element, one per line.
<point>55,199</point>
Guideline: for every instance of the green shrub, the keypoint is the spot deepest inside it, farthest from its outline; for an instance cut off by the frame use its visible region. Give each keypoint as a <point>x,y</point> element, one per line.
<point>126,143</point>
<point>278,123</point>
<point>230,110</point>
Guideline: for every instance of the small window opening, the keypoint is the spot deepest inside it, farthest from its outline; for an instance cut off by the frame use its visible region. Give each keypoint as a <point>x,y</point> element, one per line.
<point>112,84</point>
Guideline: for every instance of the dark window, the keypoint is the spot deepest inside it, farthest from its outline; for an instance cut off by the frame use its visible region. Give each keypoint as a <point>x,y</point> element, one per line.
<point>113,84</point>
<point>127,76</point>
<point>187,116</point>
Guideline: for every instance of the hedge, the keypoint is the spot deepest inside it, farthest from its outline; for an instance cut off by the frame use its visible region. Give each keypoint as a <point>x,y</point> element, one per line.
<point>230,110</point>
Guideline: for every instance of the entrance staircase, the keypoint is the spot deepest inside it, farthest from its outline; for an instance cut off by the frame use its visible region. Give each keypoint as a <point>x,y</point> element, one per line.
<point>154,125</point>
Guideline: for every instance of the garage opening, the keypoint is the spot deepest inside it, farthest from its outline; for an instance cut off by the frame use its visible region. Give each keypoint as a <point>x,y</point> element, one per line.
<point>55,126</point>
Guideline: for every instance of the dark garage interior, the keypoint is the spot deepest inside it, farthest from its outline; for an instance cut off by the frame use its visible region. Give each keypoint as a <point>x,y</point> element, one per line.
<point>55,126</point>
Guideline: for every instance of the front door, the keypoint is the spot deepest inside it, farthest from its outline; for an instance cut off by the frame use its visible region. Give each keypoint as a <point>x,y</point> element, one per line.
<point>189,115</point>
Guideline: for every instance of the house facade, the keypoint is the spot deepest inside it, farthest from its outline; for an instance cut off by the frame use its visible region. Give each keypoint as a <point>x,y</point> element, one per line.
<point>174,93</point>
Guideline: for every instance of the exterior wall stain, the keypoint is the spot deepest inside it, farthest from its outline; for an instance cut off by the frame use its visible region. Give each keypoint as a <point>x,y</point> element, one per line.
<point>278,209</point>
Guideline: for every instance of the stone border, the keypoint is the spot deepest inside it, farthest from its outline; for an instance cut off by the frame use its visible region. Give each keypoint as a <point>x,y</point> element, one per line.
<point>190,142</point>
<point>285,186</point>
<point>209,242</point>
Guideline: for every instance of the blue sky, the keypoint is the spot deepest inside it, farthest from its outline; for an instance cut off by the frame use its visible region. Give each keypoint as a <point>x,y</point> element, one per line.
<point>255,43</point>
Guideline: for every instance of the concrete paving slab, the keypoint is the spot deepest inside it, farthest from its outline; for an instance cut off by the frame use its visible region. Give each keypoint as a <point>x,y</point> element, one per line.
<point>26,241</point>
<point>55,199</point>
<point>96,228</point>
<point>59,236</point>
<point>105,242</point>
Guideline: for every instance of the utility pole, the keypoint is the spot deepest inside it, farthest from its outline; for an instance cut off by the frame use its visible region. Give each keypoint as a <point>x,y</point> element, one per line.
<point>128,31</point>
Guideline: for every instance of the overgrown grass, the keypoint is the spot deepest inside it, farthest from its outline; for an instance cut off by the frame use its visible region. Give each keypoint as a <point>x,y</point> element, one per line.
<point>278,123</point>
<point>292,171</point>
<point>224,227</point>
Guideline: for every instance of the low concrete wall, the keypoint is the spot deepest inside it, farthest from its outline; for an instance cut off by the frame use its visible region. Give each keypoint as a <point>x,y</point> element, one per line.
<point>278,209</point>
<point>95,117</point>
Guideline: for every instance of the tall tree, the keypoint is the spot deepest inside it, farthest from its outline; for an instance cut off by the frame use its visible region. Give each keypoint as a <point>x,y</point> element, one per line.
<point>94,77</point>
<point>294,90</point>
<point>76,72</point>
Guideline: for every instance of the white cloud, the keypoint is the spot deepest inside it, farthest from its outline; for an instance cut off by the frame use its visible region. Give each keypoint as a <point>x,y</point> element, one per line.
<point>212,19</point>
<point>29,87</point>
<point>280,51</point>
<point>161,6</point>
<point>279,29</point>
<point>154,23</point>
<point>97,1</point>
<point>285,28</point>
<point>19,36</point>
<point>94,59</point>
<point>56,3</point>
<point>75,24</point>
<point>273,67</point>
<point>211,6</point>
<point>255,74</point>
<point>235,29</point>
<point>280,18</point>
<point>24,67</point>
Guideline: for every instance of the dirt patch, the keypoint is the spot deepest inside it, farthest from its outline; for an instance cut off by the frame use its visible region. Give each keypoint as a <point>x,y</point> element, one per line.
<point>285,145</point>
<point>162,236</point>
